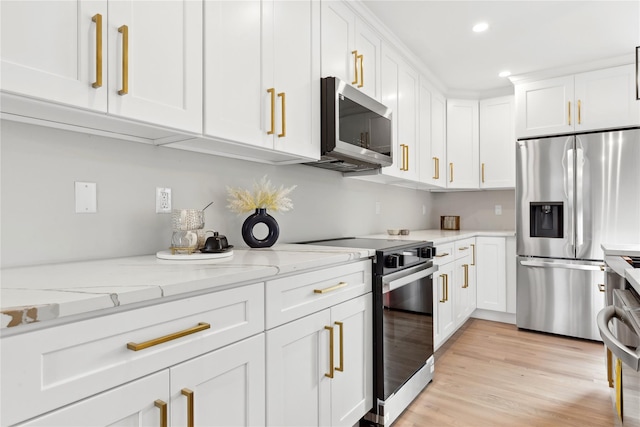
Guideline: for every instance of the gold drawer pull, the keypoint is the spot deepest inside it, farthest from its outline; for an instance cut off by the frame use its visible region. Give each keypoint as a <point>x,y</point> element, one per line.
<point>330,374</point>
<point>341,367</point>
<point>601,287</point>
<point>163,411</point>
<point>474,254</point>
<point>464,248</point>
<point>141,346</point>
<point>331,288</point>
<point>466,275</point>
<point>444,298</point>
<point>189,394</point>
<point>442,255</point>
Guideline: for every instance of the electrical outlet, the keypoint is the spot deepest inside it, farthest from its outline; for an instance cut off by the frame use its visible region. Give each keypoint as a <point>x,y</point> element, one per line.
<point>498,209</point>
<point>86,199</point>
<point>163,200</point>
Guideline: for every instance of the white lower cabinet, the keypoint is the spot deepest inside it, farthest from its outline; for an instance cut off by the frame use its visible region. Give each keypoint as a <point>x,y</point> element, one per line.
<point>491,273</point>
<point>319,367</point>
<point>444,318</point>
<point>464,282</point>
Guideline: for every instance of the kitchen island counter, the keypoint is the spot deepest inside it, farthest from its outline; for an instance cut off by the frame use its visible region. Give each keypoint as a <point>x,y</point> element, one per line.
<point>77,290</point>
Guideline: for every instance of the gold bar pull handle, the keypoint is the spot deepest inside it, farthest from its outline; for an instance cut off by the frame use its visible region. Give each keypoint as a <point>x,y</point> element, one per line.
<point>483,173</point>
<point>141,346</point>
<point>284,116</point>
<point>163,411</point>
<point>579,112</point>
<point>473,258</point>
<point>189,394</point>
<point>569,110</point>
<point>436,168</point>
<point>601,287</point>
<point>341,339</point>
<point>361,58</point>
<point>272,92</point>
<point>443,289</point>
<point>331,288</point>
<point>450,172</point>
<point>97,18</point>
<point>330,374</point>
<point>446,279</point>
<point>355,67</point>
<point>442,255</point>
<point>125,60</point>
<point>466,275</point>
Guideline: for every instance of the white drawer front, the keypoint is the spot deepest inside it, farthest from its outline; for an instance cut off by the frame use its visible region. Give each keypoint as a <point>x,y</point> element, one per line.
<point>48,368</point>
<point>463,248</point>
<point>293,297</point>
<point>444,254</point>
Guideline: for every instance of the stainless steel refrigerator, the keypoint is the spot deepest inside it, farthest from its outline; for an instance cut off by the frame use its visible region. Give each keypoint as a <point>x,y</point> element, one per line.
<point>573,193</point>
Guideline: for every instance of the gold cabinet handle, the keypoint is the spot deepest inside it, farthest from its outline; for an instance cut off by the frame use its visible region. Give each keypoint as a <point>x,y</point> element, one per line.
<point>446,294</point>
<point>272,92</point>
<point>330,374</point>
<point>163,411</point>
<point>97,18</point>
<point>579,112</point>
<point>189,394</point>
<point>406,147</point>
<point>444,299</point>
<point>355,67</point>
<point>405,157</point>
<point>436,168</point>
<point>601,287</point>
<point>125,60</point>
<point>483,173</point>
<point>569,109</point>
<point>473,250</point>
<point>284,116</point>
<point>331,288</point>
<point>450,172</point>
<point>609,367</point>
<point>464,248</point>
<point>442,255</point>
<point>466,275</point>
<point>341,339</point>
<point>361,58</point>
<point>141,346</point>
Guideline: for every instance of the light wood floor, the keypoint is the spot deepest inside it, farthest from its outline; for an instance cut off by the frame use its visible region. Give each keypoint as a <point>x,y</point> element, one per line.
<point>492,374</point>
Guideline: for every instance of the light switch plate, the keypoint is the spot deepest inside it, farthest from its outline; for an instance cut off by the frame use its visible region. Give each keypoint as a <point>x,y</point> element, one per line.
<point>86,198</point>
<point>498,209</point>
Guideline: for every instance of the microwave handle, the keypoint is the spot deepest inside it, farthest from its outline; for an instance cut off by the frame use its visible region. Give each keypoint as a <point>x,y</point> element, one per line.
<point>405,280</point>
<point>629,357</point>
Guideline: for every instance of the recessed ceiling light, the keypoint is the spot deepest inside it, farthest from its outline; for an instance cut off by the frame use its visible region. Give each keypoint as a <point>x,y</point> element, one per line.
<point>480,27</point>
<point>504,74</point>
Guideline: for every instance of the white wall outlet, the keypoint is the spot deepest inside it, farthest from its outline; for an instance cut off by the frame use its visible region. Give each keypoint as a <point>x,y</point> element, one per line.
<point>163,200</point>
<point>378,207</point>
<point>86,198</point>
<point>498,210</point>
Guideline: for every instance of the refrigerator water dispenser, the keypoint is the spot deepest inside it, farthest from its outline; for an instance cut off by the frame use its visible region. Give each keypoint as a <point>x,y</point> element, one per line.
<point>546,219</point>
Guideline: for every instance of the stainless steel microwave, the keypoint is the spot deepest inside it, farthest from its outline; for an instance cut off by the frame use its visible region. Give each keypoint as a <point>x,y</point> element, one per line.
<point>356,130</point>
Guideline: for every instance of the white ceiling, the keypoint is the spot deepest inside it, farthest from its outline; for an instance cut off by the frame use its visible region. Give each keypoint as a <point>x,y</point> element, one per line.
<point>523,37</point>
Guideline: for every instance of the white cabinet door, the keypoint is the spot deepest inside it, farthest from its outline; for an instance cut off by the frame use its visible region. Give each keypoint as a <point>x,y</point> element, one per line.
<point>133,404</point>
<point>291,68</point>
<point>443,299</point>
<point>497,143</point>
<point>606,99</point>
<point>368,47</point>
<point>222,388</point>
<point>400,94</point>
<point>49,51</point>
<point>491,273</point>
<point>432,142</point>
<point>352,386</point>
<point>464,295</point>
<point>544,107</point>
<point>462,143</point>
<point>155,62</point>
<point>337,46</point>
<point>232,70</point>
<point>298,388</point>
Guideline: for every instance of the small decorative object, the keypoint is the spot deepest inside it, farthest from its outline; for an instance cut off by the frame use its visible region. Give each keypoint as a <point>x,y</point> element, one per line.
<point>264,197</point>
<point>450,223</point>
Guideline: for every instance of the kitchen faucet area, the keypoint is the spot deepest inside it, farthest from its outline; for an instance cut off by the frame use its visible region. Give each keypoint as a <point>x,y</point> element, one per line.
<point>343,213</point>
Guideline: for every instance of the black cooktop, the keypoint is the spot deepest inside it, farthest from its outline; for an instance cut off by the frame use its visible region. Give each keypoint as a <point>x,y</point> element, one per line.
<point>375,244</point>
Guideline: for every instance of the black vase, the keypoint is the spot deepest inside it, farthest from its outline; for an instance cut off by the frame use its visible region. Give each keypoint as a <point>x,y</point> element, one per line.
<point>260,217</point>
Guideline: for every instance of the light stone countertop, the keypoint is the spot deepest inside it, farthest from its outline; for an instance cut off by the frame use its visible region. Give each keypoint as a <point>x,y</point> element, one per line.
<point>612,258</point>
<point>52,291</point>
<point>439,237</point>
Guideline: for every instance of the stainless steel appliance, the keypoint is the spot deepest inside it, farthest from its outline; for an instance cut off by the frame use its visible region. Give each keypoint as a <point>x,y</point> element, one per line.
<point>572,194</point>
<point>403,322</point>
<point>355,129</point>
<point>619,326</point>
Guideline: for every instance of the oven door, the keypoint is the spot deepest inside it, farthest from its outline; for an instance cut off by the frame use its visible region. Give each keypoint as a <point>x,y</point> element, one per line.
<point>406,313</point>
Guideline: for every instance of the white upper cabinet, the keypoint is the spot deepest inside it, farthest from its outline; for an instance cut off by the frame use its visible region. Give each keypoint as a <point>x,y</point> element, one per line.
<point>594,100</point>
<point>497,143</point>
<point>132,59</point>
<point>350,48</point>
<point>432,147</point>
<point>262,75</point>
<point>49,51</point>
<point>400,94</point>
<point>462,143</point>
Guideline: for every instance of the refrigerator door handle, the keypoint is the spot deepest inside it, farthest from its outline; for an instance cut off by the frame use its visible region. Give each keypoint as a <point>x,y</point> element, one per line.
<point>567,266</point>
<point>579,198</point>
<point>569,190</point>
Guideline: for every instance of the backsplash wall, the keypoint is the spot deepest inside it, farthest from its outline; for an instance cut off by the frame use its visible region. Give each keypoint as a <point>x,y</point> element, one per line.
<point>476,209</point>
<point>39,223</point>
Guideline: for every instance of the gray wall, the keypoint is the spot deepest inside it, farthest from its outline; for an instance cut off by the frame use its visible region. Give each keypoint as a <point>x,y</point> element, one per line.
<point>40,165</point>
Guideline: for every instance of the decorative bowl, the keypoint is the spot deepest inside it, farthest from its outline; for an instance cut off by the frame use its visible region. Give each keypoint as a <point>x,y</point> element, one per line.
<point>393,231</point>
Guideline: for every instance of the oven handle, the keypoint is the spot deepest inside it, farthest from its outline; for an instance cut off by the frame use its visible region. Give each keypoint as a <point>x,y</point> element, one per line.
<point>590,267</point>
<point>390,285</point>
<point>629,357</point>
